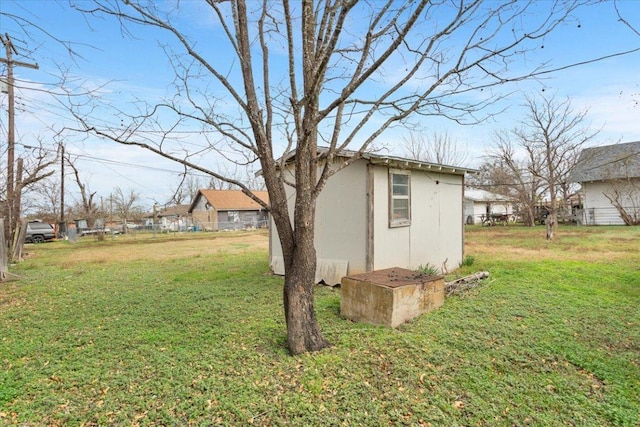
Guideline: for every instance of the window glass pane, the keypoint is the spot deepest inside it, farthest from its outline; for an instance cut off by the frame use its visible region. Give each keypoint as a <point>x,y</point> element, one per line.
<point>400,190</point>
<point>401,209</point>
<point>400,179</point>
<point>400,185</point>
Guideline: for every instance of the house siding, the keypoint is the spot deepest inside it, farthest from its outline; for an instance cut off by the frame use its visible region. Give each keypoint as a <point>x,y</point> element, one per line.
<point>598,210</point>
<point>599,170</point>
<point>203,217</point>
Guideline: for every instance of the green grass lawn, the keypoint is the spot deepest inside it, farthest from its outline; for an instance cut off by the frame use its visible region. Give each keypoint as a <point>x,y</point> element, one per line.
<point>189,330</point>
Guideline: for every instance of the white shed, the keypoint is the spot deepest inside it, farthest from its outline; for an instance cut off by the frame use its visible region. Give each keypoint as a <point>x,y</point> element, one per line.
<point>479,204</point>
<point>382,212</point>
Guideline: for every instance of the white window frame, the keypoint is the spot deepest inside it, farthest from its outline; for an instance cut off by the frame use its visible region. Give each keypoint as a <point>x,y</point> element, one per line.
<point>397,196</point>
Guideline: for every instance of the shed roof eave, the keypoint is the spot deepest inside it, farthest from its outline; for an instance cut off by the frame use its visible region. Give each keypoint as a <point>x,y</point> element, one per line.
<point>417,165</point>
<point>392,161</point>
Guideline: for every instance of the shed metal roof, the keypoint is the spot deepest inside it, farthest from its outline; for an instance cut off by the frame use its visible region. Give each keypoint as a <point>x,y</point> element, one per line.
<point>478,195</point>
<point>393,161</point>
<point>608,162</point>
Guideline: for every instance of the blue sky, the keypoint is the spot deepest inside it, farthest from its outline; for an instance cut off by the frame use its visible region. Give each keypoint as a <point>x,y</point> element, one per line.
<point>609,89</point>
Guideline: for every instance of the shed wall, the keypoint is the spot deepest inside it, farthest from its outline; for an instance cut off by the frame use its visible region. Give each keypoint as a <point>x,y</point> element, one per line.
<point>341,224</point>
<point>435,236</point>
<point>341,220</point>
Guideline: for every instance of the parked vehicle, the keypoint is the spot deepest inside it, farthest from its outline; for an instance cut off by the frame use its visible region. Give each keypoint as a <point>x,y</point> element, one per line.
<point>38,232</point>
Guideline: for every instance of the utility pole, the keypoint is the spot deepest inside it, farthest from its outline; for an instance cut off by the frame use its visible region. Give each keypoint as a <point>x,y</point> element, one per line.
<point>62,185</point>
<point>12,210</point>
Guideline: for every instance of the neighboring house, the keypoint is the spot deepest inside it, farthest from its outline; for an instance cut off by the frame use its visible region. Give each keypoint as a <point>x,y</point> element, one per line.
<point>215,210</point>
<point>481,204</point>
<point>174,218</point>
<point>610,179</point>
<point>382,212</point>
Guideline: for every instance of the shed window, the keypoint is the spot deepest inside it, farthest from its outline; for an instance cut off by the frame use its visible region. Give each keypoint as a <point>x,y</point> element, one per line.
<point>399,199</point>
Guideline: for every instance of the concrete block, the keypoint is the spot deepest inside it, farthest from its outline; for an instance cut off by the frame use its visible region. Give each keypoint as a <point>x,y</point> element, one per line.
<point>390,297</point>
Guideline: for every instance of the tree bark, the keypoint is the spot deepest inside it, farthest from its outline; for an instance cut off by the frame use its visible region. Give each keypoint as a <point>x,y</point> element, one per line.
<point>552,224</point>
<point>552,218</point>
<point>530,220</point>
<point>303,330</point>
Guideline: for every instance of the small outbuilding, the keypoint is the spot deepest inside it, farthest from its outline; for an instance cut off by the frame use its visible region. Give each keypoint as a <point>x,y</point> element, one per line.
<point>481,204</point>
<point>215,210</point>
<point>610,180</point>
<point>381,212</point>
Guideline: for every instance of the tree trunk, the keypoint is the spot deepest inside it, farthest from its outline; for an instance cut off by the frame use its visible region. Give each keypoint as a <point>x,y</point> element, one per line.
<point>552,224</point>
<point>530,217</point>
<point>303,330</point>
<point>4,259</point>
<point>552,218</point>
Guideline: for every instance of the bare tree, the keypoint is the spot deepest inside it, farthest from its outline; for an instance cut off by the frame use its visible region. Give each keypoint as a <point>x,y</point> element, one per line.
<point>625,19</point>
<point>338,73</point>
<point>493,176</point>
<point>554,134</point>
<point>624,195</point>
<point>44,199</point>
<point>190,184</point>
<point>244,175</point>
<point>187,189</point>
<point>435,148</point>
<point>510,171</point>
<point>125,205</point>
<point>34,165</point>
<point>87,207</point>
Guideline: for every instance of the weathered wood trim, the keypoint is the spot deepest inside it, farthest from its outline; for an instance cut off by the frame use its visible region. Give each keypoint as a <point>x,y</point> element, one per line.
<point>370,217</point>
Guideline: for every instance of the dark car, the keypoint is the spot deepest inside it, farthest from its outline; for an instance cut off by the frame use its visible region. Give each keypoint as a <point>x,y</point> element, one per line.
<point>38,232</point>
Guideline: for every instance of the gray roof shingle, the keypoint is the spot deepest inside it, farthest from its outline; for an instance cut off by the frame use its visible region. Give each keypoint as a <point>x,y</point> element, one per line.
<point>608,162</point>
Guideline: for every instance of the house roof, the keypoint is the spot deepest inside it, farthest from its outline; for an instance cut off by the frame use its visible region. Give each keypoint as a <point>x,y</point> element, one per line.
<point>608,162</point>
<point>478,195</point>
<point>231,200</point>
<point>394,161</point>
<point>175,210</point>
